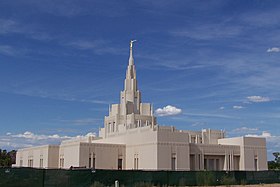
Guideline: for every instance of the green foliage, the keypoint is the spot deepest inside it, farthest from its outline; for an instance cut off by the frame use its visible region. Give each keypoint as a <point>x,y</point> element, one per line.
<point>7,158</point>
<point>274,164</point>
<point>277,157</point>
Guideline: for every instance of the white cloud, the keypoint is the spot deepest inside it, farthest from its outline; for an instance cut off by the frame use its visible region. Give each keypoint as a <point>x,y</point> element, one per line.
<point>168,111</point>
<point>27,139</point>
<point>273,49</point>
<point>30,135</point>
<point>264,134</point>
<point>237,107</point>
<point>245,130</point>
<point>222,108</point>
<point>258,99</point>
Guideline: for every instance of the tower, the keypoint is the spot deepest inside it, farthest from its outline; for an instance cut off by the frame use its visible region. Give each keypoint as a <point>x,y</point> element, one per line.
<point>131,112</point>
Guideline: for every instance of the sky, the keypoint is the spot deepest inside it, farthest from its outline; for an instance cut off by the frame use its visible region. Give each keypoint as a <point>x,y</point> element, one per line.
<point>202,64</point>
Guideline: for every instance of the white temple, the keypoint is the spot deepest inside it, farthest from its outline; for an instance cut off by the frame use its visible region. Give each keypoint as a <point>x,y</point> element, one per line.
<point>132,139</point>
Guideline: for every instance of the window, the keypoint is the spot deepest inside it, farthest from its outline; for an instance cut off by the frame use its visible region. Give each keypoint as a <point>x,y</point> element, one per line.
<point>30,161</point>
<point>256,164</point>
<point>229,163</point>
<point>205,164</point>
<point>211,166</point>
<point>41,162</point>
<point>173,161</point>
<point>119,164</point>
<point>217,164</point>
<point>89,161</point>
<point>114,127</point>
<point>192,162</point>
<point>192,139</point>
<point>199,161</point>
<point>93,162</point>
<point>61,161</point>
<point>20,162</point>
<point>136,161</point>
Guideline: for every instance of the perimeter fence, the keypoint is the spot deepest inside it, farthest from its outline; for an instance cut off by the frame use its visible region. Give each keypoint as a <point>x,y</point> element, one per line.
<point>31,177</point>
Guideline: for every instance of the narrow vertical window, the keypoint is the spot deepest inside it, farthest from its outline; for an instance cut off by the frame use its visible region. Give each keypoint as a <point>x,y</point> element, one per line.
<point>229,163</point>
<point>93,161</point>
<point>61,161</point>
<point>119,164</point>
<point>205,164</point>
<point>41,162</point>
<point>256,164</point>
<point>173,163</point>
<point>217,164</point>
<point>89,161</point>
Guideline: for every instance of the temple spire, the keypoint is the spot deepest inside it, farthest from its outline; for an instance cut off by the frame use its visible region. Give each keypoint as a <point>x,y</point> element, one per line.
<point>131,60</point>
<point>130,72</point>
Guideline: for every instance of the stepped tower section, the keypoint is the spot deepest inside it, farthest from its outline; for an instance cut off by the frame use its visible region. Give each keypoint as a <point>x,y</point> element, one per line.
<point>130,113</point>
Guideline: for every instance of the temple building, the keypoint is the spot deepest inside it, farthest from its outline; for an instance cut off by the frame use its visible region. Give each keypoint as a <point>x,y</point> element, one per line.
<point>132,139</point>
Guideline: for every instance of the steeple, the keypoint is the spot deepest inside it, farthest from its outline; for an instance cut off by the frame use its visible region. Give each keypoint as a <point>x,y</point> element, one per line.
<point>131,60</point>
<point>130,112</point>
<point>130,72</point>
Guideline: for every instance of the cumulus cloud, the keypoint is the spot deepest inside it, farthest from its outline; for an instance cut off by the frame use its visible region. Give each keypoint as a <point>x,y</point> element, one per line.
<point>168,111</point>
<point>28,139</point>
<point>237,107</point>
<point>264,134</point>
<point>30,135</point>
<point>245,130</point>
<point>273,50</point>
<point>258,99</point>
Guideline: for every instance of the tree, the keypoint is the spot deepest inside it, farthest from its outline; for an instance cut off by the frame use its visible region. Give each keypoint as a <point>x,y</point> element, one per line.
<point>7,158</point>
<point>277,157</point>
<point>275,164</point>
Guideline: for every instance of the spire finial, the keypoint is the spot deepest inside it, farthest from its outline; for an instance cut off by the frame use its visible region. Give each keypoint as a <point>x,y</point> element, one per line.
<point>131,60</point>
<point>131,43</point>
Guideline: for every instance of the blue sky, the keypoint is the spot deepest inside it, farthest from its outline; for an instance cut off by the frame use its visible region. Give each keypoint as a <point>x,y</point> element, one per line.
<point>216,63</point>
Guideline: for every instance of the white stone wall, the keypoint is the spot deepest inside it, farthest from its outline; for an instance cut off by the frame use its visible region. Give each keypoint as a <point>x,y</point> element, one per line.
<point>30,157</point>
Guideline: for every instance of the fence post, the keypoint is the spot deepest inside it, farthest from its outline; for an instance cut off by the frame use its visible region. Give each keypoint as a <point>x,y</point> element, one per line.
<point>116,183</point>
